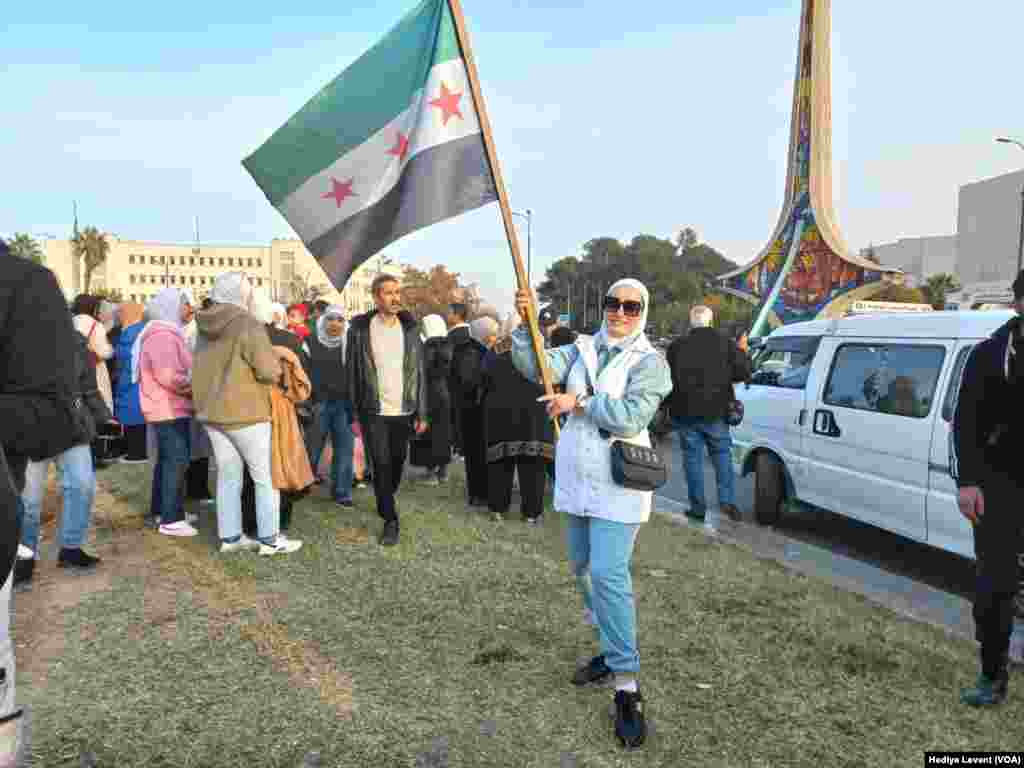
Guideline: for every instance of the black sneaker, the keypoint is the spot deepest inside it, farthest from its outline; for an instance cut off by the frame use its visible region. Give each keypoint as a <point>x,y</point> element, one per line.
<point>23,570</point>
<point>696,513</point>
<point>346,503</point>
<point>389,536</point>
<point>596,672</point>
<point>630,725</point>
<point>76,558</point>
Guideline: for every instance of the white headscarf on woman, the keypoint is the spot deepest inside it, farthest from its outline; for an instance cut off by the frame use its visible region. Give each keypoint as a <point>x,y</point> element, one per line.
<point>162,311</point>
<point>434,326</point>
<point>331,342</point>
<point>280,316</point>
<point>602,338</point>
<point>261,307</point>
<point>233,288</point>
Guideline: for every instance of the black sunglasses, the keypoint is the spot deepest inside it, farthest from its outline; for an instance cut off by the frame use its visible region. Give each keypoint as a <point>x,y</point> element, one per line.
<point>631,308</point>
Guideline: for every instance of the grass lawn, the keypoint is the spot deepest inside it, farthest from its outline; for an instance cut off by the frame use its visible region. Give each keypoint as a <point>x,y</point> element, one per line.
<point>455,648</point>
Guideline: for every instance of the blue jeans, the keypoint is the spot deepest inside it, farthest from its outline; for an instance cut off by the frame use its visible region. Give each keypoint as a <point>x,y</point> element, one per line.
<point>599,554</point>
<point>78,483</point>
<point>694,436</point>
<point>334,418</point>
<point>249,446</point>
<point>174,451</point>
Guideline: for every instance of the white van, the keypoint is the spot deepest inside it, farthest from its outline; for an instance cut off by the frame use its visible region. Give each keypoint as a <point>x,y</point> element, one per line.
<point>854,416</point>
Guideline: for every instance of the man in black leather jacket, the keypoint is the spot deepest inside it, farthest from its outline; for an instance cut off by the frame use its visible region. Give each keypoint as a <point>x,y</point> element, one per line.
<point>388,390</point>
<point>988,440</point>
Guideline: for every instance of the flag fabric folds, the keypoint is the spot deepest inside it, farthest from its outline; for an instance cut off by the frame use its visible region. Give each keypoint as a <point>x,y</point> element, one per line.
<point>391,145</point>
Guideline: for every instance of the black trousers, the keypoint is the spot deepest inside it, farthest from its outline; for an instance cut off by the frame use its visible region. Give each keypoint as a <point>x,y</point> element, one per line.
<point>249,525</point>
<point>386,442</point>
<point>135,442</point>
<point>474,451</point>
<point>532,476</point>
<point>197,480</point>
<point>998,541</point>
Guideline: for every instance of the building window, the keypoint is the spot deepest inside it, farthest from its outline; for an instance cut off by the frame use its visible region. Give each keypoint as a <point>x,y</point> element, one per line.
<point>259,282</point>
<point>131,259</point>
<point>191,261</point>
<point>163,279</point>
<point>259,263</point>
<point>152,260</point>
<point>220,262</point>
<point>192,280</point>
<point>131,279</point>
<point>896,379</point>
<point>202,280</point>
<point>152,279</point>
<point>231,262</point>
<point>202,261</point>
<point>161,259</point>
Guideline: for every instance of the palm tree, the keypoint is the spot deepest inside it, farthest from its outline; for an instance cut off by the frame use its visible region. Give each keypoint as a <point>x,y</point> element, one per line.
<point>938,286</point>
<point>91,246</point>
<point>26,247</point>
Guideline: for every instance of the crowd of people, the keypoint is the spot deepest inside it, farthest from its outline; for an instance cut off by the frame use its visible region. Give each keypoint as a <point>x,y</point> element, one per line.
<point>266,395</point>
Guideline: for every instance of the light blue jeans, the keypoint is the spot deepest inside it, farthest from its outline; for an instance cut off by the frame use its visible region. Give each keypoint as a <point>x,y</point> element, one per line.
<point>78,483</point>
<point>600,552</point>
<point>232,448</point>
<point>716,436</point>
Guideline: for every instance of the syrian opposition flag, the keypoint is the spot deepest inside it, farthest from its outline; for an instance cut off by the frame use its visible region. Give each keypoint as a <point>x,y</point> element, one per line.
<point>391,145</point>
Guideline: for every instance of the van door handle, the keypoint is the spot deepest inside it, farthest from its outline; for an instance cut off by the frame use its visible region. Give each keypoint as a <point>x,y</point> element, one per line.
<point>801,419</point>
<point>825,424</point>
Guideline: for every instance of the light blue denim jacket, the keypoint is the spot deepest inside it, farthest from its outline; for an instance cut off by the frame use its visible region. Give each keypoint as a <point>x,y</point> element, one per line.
<point>649,382</point>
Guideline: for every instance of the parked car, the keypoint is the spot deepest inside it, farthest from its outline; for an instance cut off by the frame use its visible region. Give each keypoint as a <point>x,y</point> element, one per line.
<point>854,416</point>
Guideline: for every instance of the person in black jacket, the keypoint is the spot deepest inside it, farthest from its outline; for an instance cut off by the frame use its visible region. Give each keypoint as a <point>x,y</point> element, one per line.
<point>467,370</point>
<point>704,365</point>
<point>458,333</point>
<point>987,443</point>
<point>388,389</point>
<point>518,435</point>
<point>323,356</point>
<point>433,449</point>
<point>37,384</point>
<point>78,476</point>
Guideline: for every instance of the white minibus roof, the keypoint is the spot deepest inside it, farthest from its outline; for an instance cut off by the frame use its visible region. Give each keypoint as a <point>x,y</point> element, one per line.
<point>926,325</point>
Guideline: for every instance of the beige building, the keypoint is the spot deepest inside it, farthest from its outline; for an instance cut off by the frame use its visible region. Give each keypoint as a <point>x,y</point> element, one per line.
<point>918,257</point>
<point>284,269</point>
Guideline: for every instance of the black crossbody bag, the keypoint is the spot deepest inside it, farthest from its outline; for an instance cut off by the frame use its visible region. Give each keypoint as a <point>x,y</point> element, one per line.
<point>636,467</point>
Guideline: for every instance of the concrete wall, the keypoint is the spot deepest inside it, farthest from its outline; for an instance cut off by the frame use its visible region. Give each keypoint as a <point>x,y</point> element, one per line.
<point>988,228</point>
<point>920,257</point>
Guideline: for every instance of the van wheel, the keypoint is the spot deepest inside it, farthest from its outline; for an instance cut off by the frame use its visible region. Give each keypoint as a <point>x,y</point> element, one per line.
<point>768,489</point>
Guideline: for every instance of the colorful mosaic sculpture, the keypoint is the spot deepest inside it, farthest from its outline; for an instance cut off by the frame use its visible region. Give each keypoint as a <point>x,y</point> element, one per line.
<point>807,271</point>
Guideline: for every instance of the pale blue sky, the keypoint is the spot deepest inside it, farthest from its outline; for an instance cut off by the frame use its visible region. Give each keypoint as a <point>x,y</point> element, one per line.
<point>610,118</point>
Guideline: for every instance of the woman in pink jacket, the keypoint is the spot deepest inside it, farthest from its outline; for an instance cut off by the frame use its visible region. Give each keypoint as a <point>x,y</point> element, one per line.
<point>162,365</point>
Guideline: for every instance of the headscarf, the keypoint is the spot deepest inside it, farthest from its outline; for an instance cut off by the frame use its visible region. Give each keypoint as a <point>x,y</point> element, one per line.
<point>482,328</point>
<point>331,342</point>
<point>85,304</point>
<point>602,337</point>
<point>280,309</point>
<point>232,288</point>
<point>434,326</point>
<point>262,308</point>
<point>163,311</point>
<point>131,314</point>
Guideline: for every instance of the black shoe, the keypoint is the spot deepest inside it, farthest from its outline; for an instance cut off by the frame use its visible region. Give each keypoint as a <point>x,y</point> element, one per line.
<point>476,501</point>
<point>596,672</point>
<point>696,513</point>
<point>23,570</point>
<point>346,503</point>
<point>630,725</point>
<point>76,558</point>
<point>389,536</point>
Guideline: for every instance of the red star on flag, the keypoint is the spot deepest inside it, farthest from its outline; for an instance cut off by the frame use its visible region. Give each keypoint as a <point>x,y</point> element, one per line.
<point>401,148</point>
<point>339,191</point>
<point>448,101</point>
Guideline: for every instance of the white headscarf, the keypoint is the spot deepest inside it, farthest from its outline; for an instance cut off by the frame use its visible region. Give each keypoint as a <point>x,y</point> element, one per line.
<point>434,326</point>
<point>162,311</point>
<point>261,307</point>
<point>232,288</point>
<point>282,310</point>
<point>602,337</point>
<point>331,342</point>
<point>483,328</point>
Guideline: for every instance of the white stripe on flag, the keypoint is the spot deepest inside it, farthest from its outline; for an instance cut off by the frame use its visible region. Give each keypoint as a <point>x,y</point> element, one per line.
<point>369,171</point>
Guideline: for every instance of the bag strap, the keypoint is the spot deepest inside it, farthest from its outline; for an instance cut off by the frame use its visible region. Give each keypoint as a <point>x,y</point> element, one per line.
<point>92,330</point>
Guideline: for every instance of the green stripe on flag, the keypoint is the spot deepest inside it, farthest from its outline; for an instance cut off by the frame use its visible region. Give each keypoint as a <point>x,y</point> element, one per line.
<point>359,102</point>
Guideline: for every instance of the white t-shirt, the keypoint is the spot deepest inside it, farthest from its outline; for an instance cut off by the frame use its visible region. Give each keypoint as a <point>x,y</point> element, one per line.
<point>387,344</point>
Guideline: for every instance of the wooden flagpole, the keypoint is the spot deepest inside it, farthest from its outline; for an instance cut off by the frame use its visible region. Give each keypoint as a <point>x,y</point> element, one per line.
<point>506,211</point>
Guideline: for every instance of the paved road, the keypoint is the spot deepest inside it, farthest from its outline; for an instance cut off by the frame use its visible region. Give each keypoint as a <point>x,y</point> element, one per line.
<point>912,578</point>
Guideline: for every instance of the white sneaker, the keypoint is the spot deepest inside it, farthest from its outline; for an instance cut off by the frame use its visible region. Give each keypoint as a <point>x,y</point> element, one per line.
<point>282,546</point>
<point>180,528</point>
<point>191,518</point>
<point>24,553</point>
<point>236,546</point>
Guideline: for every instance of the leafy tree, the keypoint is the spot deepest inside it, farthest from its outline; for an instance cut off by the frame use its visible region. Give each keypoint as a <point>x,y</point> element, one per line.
<point>686,239</point>
<point>430,293</point>
<point>900,293</point>
<point>26,247</point>
<point>302,289</point>
<point>91,247</point>
<point>937,287</point>
<point>113,295</point>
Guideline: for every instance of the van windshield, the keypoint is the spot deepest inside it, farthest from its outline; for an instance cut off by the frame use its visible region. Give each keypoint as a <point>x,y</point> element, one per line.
<point>784,362</point>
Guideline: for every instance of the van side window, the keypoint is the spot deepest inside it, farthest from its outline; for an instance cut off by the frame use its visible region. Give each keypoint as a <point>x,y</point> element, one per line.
<point>785,362</point>
<point>955,379</point>
<point>898,379</point>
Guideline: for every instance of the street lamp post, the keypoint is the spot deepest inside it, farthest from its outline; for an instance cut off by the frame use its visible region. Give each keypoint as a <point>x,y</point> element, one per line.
<point>1020,239</point>
<point>528,215</point>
